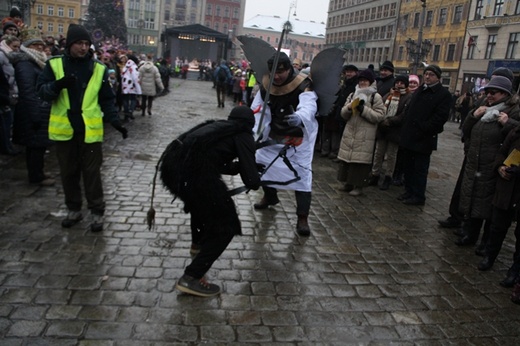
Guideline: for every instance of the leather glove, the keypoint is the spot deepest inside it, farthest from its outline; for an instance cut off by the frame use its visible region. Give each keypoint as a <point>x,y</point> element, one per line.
<point>260,167</point>
<point>65,82</point>
<point>124,132</point>
<point>513,170</point>
<point>293,120</point>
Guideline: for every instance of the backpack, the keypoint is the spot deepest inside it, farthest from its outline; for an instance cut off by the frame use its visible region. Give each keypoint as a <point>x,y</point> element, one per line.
<point>221,75</point>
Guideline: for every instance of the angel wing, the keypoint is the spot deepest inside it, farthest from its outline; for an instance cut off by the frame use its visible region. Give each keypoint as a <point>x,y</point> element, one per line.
<point>325,74</point>
<point>257,52</point>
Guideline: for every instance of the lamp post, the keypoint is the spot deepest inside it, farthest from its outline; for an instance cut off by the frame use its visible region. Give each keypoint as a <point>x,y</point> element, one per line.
<point>420,49</point>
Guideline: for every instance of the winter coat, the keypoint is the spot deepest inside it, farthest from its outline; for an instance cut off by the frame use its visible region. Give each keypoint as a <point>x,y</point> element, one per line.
<point>8,69</point>
<point>31,115</point>
<point>384,85</point>
<point>480,174</point>
<point>507,192</point>
<point>424,119</point>
<point>358,140</point>
<point>130,79</point>
<point>150,79</point>
<point>390,128</point>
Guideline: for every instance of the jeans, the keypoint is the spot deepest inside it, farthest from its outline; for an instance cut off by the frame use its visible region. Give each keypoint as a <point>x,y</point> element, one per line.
<point>128,103</point>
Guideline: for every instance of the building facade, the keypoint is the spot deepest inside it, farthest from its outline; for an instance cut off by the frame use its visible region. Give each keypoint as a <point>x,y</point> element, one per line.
<point>491,41</point>
<point>364,28</point>
<point>440,26</point>
<point>304,42</point>
<point>53,17</point>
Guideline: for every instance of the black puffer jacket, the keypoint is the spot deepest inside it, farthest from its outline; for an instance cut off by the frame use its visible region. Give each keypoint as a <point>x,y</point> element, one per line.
<point>480,175</point>
<point>31,115</point>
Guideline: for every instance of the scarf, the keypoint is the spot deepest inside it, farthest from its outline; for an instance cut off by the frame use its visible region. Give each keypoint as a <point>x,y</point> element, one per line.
<point>492,112</point>
<point>392,101</point>
<point>5,47</point>
<point>38,57</point>
<point>364,93</point>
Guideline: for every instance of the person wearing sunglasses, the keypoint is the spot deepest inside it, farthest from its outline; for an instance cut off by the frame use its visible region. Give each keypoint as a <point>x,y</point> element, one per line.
<point>485,129</point>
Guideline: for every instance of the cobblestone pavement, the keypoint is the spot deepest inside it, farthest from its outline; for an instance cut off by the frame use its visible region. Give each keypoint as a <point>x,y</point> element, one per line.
<point>374,271</point>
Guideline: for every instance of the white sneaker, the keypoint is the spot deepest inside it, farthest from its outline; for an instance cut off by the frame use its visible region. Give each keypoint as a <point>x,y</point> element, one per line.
<point>358,191</point>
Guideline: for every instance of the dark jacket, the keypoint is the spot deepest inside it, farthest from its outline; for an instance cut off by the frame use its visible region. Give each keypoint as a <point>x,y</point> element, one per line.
<point>507,192</point>
<point>82,69</point>
<point>31,114</point>
<point>4,91</point>
<point>385,84</point>
<point>390,128</point>
<point>424,119</point>
<point>480,174</point>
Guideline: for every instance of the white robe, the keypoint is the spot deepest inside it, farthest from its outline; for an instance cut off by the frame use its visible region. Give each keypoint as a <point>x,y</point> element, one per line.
<point>300,156</point>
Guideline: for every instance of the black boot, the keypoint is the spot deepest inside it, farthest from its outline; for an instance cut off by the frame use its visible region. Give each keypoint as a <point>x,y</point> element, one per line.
<point>486,263</point>
<point>471,228</point>
<point>373,180</point>
<point>270,198</point>
<point>302,226</point>
<point>510,279</point>
<point>386,183</point>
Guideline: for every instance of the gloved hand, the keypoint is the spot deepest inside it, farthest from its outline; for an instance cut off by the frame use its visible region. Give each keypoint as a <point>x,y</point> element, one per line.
<point>117,125</point>
<point>260,167</point>
<point>65,82</point>
<point>361,106</point>
<point>293,120</point>
<point>513,170</point>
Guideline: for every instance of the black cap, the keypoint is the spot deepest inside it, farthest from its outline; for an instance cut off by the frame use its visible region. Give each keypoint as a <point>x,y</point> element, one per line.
<point>435,69</point>
<point>387,65</point>
<point>367,74</point>
<point>15,12</point>
<point>402,78</point>
<point>77,33</point>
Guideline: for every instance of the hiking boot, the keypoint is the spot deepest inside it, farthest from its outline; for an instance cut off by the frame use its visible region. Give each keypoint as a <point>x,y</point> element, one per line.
<point>265,203</point>
<point>386,183</point>
<point>197,287</point>
<point>302,226</point>
<point>73,217</point>
<point>373,180</point>
<point>96,223</point>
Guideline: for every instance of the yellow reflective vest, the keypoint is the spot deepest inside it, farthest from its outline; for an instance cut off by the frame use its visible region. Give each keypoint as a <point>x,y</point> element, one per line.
<point>60,128</point>
<point>251,80</point>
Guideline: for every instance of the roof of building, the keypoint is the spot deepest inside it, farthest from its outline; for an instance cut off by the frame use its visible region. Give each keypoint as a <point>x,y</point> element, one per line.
<point>275,23</point>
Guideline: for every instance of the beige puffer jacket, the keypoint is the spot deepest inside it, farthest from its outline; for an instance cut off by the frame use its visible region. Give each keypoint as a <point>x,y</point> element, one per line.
<point>359,136</point>
<point>150,79</point>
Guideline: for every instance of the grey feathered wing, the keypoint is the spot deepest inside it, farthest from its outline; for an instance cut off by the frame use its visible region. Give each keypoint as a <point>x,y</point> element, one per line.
<point>257,52</point>
<point>325,74</point>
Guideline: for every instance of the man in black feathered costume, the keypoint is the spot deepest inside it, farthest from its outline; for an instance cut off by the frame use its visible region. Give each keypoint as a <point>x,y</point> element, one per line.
<point>191,169</point>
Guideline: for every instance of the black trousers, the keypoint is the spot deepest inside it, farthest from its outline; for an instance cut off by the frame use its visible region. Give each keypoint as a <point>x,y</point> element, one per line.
<point>221,93</point>
<point>454,208</point>
<point>34,159</point>
<point>78,159</point>
<point>303,199</point>
<point>415,167</point>
<point>500,223</point>
<point>144,100</point>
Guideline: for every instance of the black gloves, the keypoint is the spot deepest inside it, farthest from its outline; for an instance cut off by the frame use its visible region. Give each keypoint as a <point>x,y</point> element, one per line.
<point>360,106</point>
<point>513,170</point>
<point>65,82</point>
<point>117,125</point>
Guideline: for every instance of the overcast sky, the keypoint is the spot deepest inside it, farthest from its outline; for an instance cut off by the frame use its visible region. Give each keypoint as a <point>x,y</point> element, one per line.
<point>315,10</point>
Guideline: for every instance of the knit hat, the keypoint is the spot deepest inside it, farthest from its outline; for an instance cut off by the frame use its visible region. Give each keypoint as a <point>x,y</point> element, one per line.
<point>350,67</point>
<point>77,33</point>
<point>435,69</point>
<point>111,71</point>
<point>8,25</point>
<point>366,74</point>
<point>15,12</point>
<point>243,114</point>
<point>415,78</point>
<point>500,83</point>
<point>387,65</point>
<point>31,36</point>
<point>283,62</point>
<point>504,72</point>
<point>402,78</point>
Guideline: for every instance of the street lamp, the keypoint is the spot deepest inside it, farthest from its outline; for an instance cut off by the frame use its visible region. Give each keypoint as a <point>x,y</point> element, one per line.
<point>417,51</point>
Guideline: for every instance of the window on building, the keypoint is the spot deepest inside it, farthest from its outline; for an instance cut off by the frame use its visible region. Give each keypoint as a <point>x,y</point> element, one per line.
<point>499,6</point>
<point>491,43</point>
<point>50,27</point>
<point>379,12</point>
<point>400,53</point>
<point>429,18</point>
<point>72,14</point>
<point>226,12</point>
<point>389,31</point>
<point>450,54</point>
<point>472,47</point>
<point>393,8</point>
<point>39,9</point>
<point>386,11</point>
<point>60,12</point>
<point>194,3</point>
<point>443,14</point>
<point>512,45</point>
<point>479,6</point>
<point>457,14</point>
<point>216,27</point>
<point>209,10</point>
<point>60,28</point>
<point>236,13</point>
<point>517,7</point>
<point>436,52</point>
<point>416,19</point>
<point>404,22</point>
<point>50,11</point>
<point>166,15</point>
<point>217,11</point>
<point>40,25</point>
